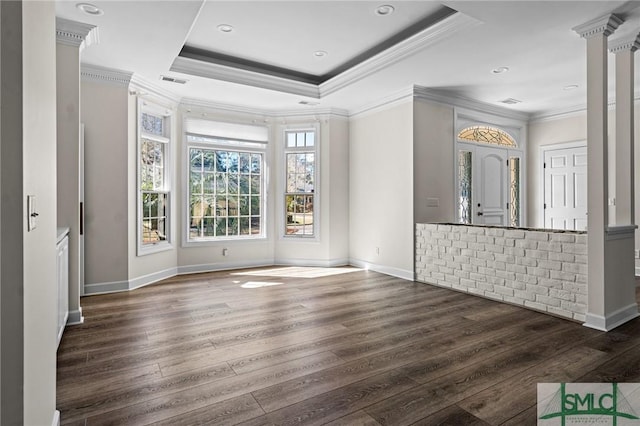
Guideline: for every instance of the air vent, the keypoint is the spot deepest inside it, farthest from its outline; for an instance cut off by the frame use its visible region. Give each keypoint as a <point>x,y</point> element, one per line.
<point>310,103</point>
<point>510,101</point>
<point>172,79</point>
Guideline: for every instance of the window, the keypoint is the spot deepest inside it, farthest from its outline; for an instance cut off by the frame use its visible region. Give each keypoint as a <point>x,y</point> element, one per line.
<point>153,178</point>
<point>226,181</point>
<point>299,197</point>
<point>488,135</point>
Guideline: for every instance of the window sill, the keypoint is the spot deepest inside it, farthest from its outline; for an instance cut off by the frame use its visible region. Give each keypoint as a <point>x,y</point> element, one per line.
<point>154,248</point>
<point>223,241</point>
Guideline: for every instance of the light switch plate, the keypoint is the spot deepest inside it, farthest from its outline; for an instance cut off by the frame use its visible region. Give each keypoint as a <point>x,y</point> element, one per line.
<point>31,212</point>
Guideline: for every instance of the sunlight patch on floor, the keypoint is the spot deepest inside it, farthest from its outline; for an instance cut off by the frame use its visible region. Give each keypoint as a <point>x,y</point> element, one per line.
<point>298,272</point>
<point>259,284</point>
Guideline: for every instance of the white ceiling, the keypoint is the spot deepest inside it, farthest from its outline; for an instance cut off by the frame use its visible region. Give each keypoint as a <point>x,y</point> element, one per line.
<point>533,39</point>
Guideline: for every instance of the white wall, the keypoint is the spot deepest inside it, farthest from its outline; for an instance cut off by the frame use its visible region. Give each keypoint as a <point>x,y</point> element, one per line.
<point>330,248</point>
<point>39,149</point>
<point>433,164</point>
<point>68,161</point>
<point>381,190</point>
<point>105,115</point>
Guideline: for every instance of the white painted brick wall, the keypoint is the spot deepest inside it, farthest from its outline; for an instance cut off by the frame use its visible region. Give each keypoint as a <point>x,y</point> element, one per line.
<point>541,270</point>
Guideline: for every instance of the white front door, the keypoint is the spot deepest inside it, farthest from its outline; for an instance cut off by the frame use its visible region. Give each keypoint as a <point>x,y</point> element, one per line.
<point>490,186</point>
<point>565,188</point>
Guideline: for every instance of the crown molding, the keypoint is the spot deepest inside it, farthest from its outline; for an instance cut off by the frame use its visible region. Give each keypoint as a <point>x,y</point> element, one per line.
<point>574,111</point>
<point>439,96</point>
<point>625,44</point>
<point>77,34</point>
<point>604,25</point>
<point>390,101</point>
<point>105,75</point>
<point>235,75</point>
<point>144,87</point>
<point>239,109</point>
<point>429,36</point>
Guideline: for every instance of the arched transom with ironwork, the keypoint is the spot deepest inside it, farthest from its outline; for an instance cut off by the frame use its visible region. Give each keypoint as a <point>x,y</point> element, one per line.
<point>487,135</point>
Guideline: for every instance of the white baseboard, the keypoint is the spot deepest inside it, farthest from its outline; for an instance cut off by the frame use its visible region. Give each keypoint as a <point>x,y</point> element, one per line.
<point>75,317</point>
<point>56,418</point>
<point>331,263</point>
<point>387,270</point>
<point>637,271</point>
<point>103,288</point>
<point>152,278</point>
<point>213,267</point>
<point>612,320</point>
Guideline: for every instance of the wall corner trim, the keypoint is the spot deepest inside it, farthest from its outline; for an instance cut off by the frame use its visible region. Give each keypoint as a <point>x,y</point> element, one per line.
<point>56,418</point>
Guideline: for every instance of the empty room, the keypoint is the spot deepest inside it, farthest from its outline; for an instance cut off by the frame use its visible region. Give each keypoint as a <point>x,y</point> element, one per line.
<point>319,212</point>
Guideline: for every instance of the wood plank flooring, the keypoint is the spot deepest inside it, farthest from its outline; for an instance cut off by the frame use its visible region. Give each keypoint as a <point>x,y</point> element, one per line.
<point>318,346</point>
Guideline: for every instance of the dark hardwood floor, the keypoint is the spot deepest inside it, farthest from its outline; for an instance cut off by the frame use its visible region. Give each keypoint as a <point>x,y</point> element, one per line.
<point>301,346</point>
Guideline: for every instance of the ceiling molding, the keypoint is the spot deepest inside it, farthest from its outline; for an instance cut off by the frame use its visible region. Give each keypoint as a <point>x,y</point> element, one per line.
<point>429,36</point>
<point>433,95</point>
<point>605,25</point>
<point>244,77</point>
<point>574,110</point>
<point>625,44</point>
<point>105,75</point>
<point>210,105</point>
<point>144,87</point>
<point>76,34</point>
<point>390,101</point>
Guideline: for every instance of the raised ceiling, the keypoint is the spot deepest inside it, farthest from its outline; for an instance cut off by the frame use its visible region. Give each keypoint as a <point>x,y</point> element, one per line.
<point>267,61</point>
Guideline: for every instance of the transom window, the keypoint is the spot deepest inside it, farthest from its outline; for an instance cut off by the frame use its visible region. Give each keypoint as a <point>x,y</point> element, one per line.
<point>299,197</point>
<point>488,135</point>
<point>153,177</point>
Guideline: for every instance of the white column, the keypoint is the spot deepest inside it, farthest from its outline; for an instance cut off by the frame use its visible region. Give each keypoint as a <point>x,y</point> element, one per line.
<point>71,38</point>
<point>624,50</point>
<point>609,303</point>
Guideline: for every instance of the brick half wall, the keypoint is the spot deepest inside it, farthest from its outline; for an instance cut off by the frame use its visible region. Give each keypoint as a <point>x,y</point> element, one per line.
<point>543,270</point>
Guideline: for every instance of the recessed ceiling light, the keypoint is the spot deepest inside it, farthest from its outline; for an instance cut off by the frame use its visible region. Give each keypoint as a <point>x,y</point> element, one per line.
<point>510,101</point>
<point>309,103</point>
<point>384,10</point>
<point>320,53</point>
<point>570,87</point>
<point>89,9</point>
<point>225,28</point>
<point>500,70</point>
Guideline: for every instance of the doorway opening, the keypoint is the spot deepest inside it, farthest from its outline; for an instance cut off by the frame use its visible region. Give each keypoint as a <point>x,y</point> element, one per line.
<point>489,178</point>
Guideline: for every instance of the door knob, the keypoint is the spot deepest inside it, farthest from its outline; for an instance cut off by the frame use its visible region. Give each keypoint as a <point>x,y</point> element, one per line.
<point>480,213</point>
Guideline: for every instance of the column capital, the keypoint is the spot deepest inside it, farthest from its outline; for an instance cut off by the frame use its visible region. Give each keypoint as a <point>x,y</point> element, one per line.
<point>604,25</point>
<point>624,44</point>
<point>73,33</point>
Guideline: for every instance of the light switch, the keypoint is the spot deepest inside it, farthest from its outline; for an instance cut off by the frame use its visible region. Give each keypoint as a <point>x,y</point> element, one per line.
<point>31,212</point>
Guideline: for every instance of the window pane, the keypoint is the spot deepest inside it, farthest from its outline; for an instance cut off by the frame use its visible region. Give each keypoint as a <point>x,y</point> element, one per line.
<point>514,191</point>
<point>153,217</point>
<point>234,158</point>
<point>311,137</point>
<point>232,226</point>
<point>244,226</point>
<point>152,124</point>
<point>299,139</point>
<point>255,225</point>
<point>255,206</point>
<point>195,159</point>
<point>221,227</point>
<point>245,162</point>
<point>464,182</point>
<point>244,206</point>
<point>209,161</point>
<point>196,183</point>
<point>291,139</point>
<point>233,184</point>
<point>209,183</point>
<point>209,227</point>
<point>256,163</point>
<point>151,165</point>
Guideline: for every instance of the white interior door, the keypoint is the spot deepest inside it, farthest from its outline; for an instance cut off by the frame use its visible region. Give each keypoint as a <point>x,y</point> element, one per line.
<point>565,188</point>
<point>490,186</point>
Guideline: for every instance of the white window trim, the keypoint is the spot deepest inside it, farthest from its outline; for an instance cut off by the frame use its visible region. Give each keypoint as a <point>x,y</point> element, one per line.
<point>158,110</point>
<point>281,209</point>
<point>217,241</point>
